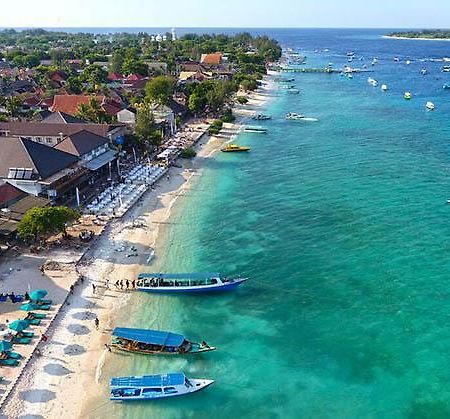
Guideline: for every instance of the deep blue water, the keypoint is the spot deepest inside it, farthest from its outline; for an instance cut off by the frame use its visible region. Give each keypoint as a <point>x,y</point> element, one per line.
<point>342,227</point>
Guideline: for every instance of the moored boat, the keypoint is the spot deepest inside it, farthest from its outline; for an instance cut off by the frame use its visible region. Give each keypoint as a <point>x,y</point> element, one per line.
<point>234,148</point>
<point>407,96</point>
<point>293,116</point>
<point>384,88</point>
<point>258,130</point>
<point>446,86</point>
<point>261,117</point>
<point>186,282</point>
<point>152,387</point>
<point>155,342</point>
<point>430,106</point>
<point>372,82</point>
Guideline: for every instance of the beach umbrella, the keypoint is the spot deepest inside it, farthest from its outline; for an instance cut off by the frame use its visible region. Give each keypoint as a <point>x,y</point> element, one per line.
<point>5,346</point>
<point>38,295</point>
<point>29,307</point>
<point>19,325</point>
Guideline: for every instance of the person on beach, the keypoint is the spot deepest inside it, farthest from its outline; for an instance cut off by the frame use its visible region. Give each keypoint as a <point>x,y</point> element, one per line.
<point>107,283</point>
<point>71,289</point>
<point>108,347</point>
<point>97,323</point>
<point>121,284</point>
<point>42,269</point>
<point>93,288</point>
<point>133,283</point>
<point>127,283</point>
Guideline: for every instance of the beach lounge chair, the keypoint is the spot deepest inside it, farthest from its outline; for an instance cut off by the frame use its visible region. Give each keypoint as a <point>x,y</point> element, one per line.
<point>33,322</point>
<point>14,355</point>
<point>46,307</point>
<point>21,341</point>
<point>37,315</point>
<point>26,334</point>
<point>9,362</point>
<point>45,302</point>
<point>3,298</point>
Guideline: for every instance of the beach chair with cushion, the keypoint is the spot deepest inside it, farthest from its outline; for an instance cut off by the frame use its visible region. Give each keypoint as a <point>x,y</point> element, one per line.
<point>33,322</point>
<point>21,341</point>
<point>9,362</point>
<point>45,302</point>
<point>14,355</point>
<point>37,315</point>
<point>3,298</point>
<point>44,308</point>
<point>27,334</point>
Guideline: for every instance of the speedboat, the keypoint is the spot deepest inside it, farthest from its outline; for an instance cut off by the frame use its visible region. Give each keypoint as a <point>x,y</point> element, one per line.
<point>424,72</point>
<point>350,75</point>
<point>293,91</point>
<point>351,54</point>
<point>396,59</point>
<point>152,387</point>
<point>257,130</point>
<point>430,106</point>
<point>408,62</point>
<point>446,69</point>
<point>446,86</point>
<point>372,82</point>
<point>384,88</point>
<point>407,96</point>
<point>230,148</point>
<point>261,117</point>
<point>292,116</point>
<point>155,342</point>
<point>375,61</point>
<point>186,282</point>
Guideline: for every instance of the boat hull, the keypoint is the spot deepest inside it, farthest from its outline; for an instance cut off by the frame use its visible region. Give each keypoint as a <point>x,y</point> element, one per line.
<point>193,289</point>
<point>198,351</point>
<point>198,385</point>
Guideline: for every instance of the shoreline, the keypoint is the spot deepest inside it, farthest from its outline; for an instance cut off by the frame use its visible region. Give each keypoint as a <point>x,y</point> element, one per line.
<point>405,38</point>
<point>77,373</point>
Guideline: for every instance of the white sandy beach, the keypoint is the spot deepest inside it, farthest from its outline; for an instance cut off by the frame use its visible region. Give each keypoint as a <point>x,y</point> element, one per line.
<point>58,383</point>
<point>414,39</point>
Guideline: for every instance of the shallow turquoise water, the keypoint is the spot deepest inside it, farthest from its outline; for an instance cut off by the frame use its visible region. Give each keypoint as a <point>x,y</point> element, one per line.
<point>342,227</point>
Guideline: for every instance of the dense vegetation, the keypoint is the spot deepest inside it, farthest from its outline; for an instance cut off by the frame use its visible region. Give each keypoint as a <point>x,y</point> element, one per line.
<point>424,34</point>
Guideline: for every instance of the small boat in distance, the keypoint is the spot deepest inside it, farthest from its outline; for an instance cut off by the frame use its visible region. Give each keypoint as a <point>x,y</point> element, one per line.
<point>258,130</point>
<point>293,116</point>
<point>372,82</point>
<point>407,96</point>
<point>384,88</point>
<point>446,86</point>
<point>446,69</point>
<point>430,106</point>
<point>151,387</point>
<point>186,282</point>
<point>261,117</point>
<point>424,72</point>
<point>155,342</point>
<point>293,91</point>
<point>234,148</point>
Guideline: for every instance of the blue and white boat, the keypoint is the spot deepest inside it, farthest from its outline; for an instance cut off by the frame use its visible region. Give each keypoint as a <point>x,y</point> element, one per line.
<point>152,387</point>
<point>186,282</point>
<point>155,342</point>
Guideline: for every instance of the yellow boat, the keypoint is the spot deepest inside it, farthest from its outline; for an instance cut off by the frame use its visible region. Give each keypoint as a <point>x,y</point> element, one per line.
<point>234,148</point>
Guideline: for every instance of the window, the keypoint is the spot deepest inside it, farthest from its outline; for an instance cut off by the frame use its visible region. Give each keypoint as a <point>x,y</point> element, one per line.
<point>39,139</point>
<point>170,390</point>
<point>49,140</point>
<point>152,391</point>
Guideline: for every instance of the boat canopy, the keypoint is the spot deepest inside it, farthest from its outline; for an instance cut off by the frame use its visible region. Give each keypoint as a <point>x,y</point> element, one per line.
<point>149,337</point>
<point>171,379</point>
<point>191,275</point>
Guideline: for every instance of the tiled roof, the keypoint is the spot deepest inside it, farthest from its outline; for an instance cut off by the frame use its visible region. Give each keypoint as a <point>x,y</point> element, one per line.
<point>44,161</point>
<point>34,129</point>
<point>9,193</point>
<point>62,118</point>
<point>70,103</point>
<point>81,143</point>
<point>211,59</point>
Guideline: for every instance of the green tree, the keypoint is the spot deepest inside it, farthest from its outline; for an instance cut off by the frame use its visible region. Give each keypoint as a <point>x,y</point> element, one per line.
<point>94,75</point>
<point>117,62</point>
<point>93,112</point>
<point>13,105</point>
<point>146,130</point>
<point>196,102</point>
<point>160,89</point>
<point>47,220</point>
<point>133,66</point>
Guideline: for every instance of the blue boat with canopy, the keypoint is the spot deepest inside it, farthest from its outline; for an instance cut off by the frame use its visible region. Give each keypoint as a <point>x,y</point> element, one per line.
<point>186,282</point>
<point>155,342</point>
<point>151,387</point>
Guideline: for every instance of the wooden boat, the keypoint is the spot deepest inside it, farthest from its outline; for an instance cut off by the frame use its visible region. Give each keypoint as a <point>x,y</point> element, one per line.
<point>233,148</point>
<point>186,282</point>
<point>155,342</point>
<point>152,387</point>
<point>257,130</point>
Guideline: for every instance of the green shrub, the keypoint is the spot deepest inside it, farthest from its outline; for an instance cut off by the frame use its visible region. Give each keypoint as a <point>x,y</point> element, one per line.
<point>188,153</point>
<point>242,100</point>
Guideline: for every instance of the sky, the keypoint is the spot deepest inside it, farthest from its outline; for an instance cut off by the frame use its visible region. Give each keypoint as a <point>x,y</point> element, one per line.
<point>226,13</point>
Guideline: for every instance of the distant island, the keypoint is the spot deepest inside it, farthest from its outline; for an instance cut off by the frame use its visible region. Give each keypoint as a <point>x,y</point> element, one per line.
<point>430,34</point>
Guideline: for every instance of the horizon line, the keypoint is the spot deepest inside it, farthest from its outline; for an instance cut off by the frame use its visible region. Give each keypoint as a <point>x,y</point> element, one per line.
<point>222,27</point>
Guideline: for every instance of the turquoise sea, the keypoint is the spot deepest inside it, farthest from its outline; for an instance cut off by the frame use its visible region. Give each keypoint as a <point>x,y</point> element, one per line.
<point>342,227</point>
